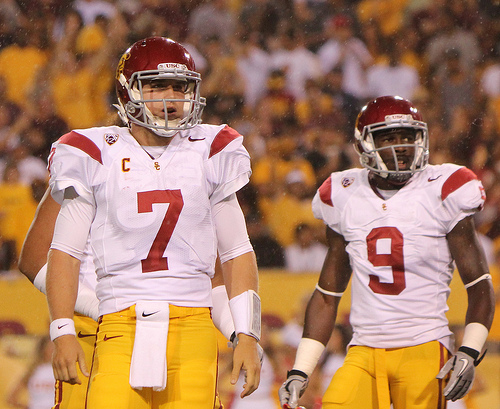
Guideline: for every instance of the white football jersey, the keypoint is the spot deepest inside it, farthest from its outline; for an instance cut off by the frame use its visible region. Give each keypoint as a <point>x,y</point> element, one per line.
<point>153,236</point>
<point>398,251</point>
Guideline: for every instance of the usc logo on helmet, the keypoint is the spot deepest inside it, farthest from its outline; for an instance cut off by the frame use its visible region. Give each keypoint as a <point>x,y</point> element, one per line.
<point>121,63</point>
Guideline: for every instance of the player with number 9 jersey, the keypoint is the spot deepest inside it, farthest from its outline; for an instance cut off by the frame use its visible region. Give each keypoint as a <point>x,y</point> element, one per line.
<point>398,250</point>
<point>396,229</point>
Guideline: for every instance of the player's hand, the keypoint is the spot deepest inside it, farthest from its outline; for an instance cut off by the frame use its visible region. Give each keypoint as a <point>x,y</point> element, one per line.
<point>293,388</point>
<point>234,341</point>
<point>462,366</point>
<point>67,353</point>
<point>246,357</point>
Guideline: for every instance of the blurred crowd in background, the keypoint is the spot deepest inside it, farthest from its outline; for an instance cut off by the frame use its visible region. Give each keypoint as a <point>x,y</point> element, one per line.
<point>289,75</point>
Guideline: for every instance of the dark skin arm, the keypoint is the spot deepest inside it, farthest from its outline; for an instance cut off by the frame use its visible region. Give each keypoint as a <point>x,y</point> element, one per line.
<point>37,242</point>
<point>471,264</point>
<point>321,311</point>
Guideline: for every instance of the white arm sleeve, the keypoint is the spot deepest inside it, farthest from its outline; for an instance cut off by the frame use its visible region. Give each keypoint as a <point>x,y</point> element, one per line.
<point>72,226</point>
<point>221,313</point>
<point>86,299</point>
<point>231,229</point>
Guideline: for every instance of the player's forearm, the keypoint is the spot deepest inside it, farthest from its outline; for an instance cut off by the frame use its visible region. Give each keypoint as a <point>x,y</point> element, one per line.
<point>240,274</point>
<point>320,317</point>
<point>62,284</point>
<point>241,278</point>
<point>481,303</point>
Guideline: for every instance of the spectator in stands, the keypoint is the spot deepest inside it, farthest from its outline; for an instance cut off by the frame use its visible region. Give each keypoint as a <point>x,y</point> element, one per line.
<point>254,68</point>
<point>344,50</point>
<point>316,107</point>
<point>346,104</point>
<point>91,9</point>
<point>289,54</point>
<point>306,253</point>
<point>78,59</point>
<point>393,77</point>
<point>270,171</point>
<point>38,381</point>
<point>20,63</point>
<point>276,109</point>
<point>327,150</point>
<point>226,101</point>
<point>452,36</point>
<point>389,14</point>
<point>455,85</point>
<point>261,18</point>
<point>268,251</point>
<point>289,208</point>
<point>17,206</point>
<point>30,167</point>
<point>213,19</point>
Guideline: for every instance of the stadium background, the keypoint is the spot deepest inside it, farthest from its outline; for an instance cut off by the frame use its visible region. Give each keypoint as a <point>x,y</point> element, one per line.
<point>259,63</point>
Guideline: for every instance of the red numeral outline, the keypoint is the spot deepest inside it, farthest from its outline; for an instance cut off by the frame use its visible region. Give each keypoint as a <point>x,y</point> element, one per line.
<point>145,200</point>
<point>395,260</point>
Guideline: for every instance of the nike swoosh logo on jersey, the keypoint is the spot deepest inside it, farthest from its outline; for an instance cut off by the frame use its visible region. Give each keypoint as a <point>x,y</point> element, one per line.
<point>80,335</point>
<point>190,139</point>
<point>464,367</point>
<point>147,315</point>
<point>433,179</point>
<point>106,338</point>
<point>61,326</point>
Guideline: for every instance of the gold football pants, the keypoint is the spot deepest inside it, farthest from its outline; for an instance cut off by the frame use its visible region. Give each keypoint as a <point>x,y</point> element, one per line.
<point>73,396</point>
<point>191,363</point>
<point>372,378</point>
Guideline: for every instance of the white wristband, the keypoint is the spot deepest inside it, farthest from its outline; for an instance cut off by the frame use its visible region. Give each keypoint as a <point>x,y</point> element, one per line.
<point>475,335</point>
<point>60,327</point>
<point>245,309</point>
<point>308,354</point>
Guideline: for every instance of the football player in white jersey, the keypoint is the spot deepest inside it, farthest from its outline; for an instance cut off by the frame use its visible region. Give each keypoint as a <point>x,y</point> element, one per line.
<point>399,226</point>
<point>158,199</point>
<point>33,264</point>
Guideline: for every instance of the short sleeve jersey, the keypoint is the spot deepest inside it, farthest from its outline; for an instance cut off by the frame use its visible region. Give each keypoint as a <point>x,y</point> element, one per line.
<point>398,250</point>
<point>153,236</point>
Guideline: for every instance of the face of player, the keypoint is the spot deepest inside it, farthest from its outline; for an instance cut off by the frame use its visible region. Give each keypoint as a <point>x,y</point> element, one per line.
<point>167,89</point>
<point>404,154</point>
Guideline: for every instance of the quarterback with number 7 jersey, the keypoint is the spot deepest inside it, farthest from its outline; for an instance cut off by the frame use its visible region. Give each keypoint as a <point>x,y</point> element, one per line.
<point>399,227</point>
<point>158,200</point>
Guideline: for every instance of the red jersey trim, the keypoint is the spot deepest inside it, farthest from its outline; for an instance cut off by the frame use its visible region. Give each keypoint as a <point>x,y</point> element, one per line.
<point>222,139</point>
<point>325,192</point>
<point>83,143</point>
<point>456,180</point>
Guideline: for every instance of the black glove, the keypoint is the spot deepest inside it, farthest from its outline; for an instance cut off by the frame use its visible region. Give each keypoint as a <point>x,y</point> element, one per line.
<point>293,388</point>
<point>462,365</point>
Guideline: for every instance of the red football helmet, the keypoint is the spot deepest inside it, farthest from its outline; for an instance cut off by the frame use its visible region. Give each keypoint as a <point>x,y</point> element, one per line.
<point>382,114</point>
<point>150,59</point>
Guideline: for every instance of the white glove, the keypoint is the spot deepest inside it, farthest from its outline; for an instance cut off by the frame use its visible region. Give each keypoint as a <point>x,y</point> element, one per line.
<point>462,366</point>
<point>293,388</point>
